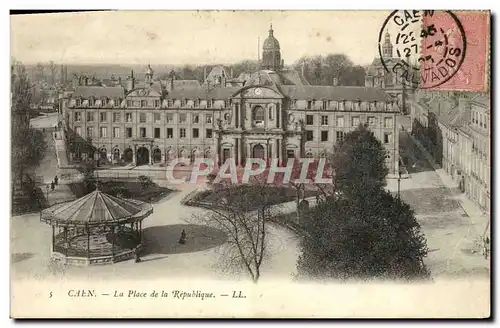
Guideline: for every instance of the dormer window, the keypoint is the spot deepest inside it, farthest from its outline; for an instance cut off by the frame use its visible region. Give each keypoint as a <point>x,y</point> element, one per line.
<point>209,103</point>
<point>170,102</point>
<point>78,102</point>
<point>103,102</point>
<point>144,103</point>
<point>157,103</point>
<point>130,103</point>
<point>91,102</point>
<point>309,104</point>
<point>197,103</point>
<point>325,104</point>
<point>183,103</point>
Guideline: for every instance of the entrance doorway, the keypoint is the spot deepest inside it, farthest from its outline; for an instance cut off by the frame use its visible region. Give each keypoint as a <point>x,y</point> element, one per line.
<point>128,155</point>
<point>142,156</point>
<point>157,155</point>
<point>258,151</point>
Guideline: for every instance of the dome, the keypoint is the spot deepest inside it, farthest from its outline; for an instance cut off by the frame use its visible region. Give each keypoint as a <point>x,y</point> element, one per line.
<point>271,43</point>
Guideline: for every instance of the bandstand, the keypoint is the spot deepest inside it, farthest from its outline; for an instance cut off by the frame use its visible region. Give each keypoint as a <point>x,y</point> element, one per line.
<point>96,229</point>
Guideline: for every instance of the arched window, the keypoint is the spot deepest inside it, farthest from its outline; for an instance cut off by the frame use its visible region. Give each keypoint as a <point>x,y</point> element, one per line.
<point>309,154</point>
<point>258,116</point>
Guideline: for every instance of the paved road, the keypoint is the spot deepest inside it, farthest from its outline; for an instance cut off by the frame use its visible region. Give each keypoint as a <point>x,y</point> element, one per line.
<point>450,232</point>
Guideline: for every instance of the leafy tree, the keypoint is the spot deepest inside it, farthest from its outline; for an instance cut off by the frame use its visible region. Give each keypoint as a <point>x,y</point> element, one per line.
<point>321,70</point>
<point>28,144</point>
<point>359,163</point>
<point>365,233</point>
<point>374,237</point>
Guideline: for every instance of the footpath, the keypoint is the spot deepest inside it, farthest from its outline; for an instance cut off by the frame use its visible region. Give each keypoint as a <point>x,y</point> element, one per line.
<point>477,215</point>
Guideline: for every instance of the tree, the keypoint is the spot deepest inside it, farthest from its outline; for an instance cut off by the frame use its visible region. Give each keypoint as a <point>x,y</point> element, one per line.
<point>376,237</point>
<point>28,144</point>
<point>321,70</point>
<point>365,233</point>
<point>359,163</point>
<point>242,211</point>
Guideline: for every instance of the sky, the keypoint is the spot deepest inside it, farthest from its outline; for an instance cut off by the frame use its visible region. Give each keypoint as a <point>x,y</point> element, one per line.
<point>191,37</point>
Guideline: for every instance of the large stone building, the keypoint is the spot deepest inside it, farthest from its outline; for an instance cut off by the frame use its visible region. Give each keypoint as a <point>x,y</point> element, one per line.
<point>455,129</point>
<point>393,81</point>
<point>271,113</point>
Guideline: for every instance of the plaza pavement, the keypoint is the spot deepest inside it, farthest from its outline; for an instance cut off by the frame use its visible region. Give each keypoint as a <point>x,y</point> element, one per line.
<point>451,222</point>
<point>31,240</point>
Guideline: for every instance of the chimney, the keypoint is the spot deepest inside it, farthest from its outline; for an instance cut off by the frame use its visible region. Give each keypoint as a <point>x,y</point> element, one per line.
<point>204,74</point>
<point>131,81</point>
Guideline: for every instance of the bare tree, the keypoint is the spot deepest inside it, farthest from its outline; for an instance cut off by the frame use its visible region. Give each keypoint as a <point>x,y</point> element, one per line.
<point>242,212</point>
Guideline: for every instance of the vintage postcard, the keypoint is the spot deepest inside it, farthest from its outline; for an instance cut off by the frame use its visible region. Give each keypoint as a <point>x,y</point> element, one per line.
<point>251,164</point>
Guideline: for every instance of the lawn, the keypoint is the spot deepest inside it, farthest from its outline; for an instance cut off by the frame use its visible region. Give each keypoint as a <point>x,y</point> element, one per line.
<point>284,194</point>
<point>125,189</point>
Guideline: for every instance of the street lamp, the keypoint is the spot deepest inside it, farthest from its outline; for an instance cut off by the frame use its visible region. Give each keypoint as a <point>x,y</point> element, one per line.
<point>399,184</point>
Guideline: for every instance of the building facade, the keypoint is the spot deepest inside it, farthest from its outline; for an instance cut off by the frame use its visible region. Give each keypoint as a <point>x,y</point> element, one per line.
<point>271,114</point>
<point>394,80</point>
<point>455,128</point>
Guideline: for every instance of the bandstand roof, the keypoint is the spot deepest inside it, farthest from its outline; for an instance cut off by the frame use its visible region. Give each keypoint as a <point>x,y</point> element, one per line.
<point>97,208</point>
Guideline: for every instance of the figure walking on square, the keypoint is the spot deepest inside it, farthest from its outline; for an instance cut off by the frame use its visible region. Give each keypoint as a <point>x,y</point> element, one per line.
<point>56,180</point>
<point>136,254</point>
<point>182,241</point>
<point>486,247</point>
<point>52,186</point>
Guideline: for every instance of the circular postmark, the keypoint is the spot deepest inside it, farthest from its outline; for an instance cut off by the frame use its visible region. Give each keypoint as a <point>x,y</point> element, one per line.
<point>427,47</point>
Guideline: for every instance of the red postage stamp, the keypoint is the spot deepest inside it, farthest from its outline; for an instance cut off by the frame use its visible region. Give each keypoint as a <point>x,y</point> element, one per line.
<point>455,51</point>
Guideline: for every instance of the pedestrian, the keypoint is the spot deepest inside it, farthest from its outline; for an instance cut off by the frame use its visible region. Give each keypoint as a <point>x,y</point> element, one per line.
<point>52,186</point>
<point>136,254</point>
<point>182,240</point>
<point>486,247</point>
<point>56,180</point>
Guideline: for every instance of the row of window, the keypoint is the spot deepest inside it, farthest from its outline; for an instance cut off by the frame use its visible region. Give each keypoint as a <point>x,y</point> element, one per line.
<point>140,103</point>
<point>479,119</point>
<point>372,121</point>
<point>324,136</point>
<point>143,132</point>
<point>311,104</point>
<point>117,118</point>
<point>344,105</point>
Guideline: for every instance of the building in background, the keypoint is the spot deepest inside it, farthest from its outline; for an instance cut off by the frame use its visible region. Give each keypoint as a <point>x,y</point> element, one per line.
<point>455,129</point>
<point>271,113</point>
<point>390,80</point>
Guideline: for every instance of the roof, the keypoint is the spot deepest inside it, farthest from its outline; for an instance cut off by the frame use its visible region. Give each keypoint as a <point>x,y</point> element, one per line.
<point>97,208</point>
<point>99,92</point>
<point>337,93</point>
<point>203,93</point>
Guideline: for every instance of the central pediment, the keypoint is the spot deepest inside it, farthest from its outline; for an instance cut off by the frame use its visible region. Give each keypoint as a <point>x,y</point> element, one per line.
<point>258,92</point>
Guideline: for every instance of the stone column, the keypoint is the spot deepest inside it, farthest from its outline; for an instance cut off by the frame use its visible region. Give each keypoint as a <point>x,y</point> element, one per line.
<point>134,155</point>
<point>150,154</point>
<point>279,150</point>
<point>249,151</point>
<point>238,159</point>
